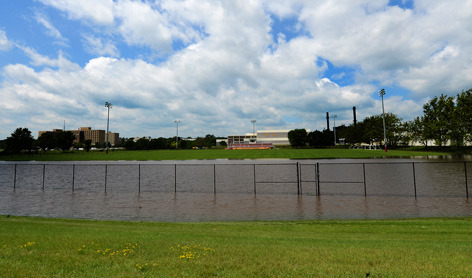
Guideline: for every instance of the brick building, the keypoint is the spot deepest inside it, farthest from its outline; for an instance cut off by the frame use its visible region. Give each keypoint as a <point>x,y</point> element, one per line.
<point>97,136</point>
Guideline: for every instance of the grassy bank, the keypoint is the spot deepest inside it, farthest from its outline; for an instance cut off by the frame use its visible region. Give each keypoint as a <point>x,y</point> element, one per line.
<point>219,154</point>
<point>35,247</point>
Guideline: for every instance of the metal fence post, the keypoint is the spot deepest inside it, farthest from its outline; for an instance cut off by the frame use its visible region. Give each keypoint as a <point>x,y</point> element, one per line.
<point>175,178</point>
<point>139,178</point>
<point>414,177</point>
<point>254,179</point>
<point>14,179</point>
<point>365,183</point>
<point>466,181</point>
<point>106,174</point>
<point>298,179</point>
<point>44,174</point>
<point>214,178</point>
<point>73,177</point>
<point>317,176</point>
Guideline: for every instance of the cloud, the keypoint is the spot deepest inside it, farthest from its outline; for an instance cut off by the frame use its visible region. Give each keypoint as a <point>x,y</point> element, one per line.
<point>392,45</point>
<point>5,44</point>
<point>96,46</point>
<point>51,30</point>
<point>98,11</point>
<point>140,23</point>
<point>40,60</point>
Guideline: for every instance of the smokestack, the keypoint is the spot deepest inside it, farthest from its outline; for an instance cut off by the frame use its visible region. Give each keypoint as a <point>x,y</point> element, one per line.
<point>354,113</point>
<point>327,119</point>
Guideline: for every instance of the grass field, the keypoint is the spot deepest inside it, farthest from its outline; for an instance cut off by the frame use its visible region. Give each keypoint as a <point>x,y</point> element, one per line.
<point>36,247</point>
<point>218,154</point>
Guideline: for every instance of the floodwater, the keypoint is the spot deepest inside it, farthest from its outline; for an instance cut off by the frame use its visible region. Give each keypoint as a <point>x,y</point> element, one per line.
<point>232,190</point>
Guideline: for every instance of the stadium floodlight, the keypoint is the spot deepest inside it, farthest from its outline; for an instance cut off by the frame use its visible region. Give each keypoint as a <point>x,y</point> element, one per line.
<point>381,94</point>
<point>177,136</point>
<point>108,105</point>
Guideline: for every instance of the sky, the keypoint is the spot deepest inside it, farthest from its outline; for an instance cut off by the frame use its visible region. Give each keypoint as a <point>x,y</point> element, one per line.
<point>217,65</point>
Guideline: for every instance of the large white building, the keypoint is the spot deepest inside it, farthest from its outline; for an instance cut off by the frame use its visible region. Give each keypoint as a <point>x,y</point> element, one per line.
<point>277,137</point>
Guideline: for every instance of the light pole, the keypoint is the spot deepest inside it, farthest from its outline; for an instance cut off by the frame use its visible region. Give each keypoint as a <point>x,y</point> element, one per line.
<point>381,94</point>
<point>108,105</point>
<point>334,128</point>
<point>177,137</point>
<point>253,127</point>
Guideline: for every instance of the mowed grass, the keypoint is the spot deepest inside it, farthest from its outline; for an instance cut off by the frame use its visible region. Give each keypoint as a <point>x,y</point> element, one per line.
<point>36,247</point>
<point>219,154</point>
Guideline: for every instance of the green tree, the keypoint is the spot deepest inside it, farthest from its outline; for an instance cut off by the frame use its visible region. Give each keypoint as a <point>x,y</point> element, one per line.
<point>142,144</point>
<point>87,145</point>
<point>19,140</point>
<point>354,133</point>
<point>47,141</point>
<point>464,115</point>
<point>372,129</point>
<point>297,138</point>
<point>210,140</point>
<point>65,140</point>
<point>320,139</point>
<point>129,144</point>
<point>415,131</point>
<point>439,119</point>
<point>162,143</point>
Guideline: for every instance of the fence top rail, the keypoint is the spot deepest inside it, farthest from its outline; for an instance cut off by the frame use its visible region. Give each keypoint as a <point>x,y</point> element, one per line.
<point>393,162</point>
<point>159,164</point>
<point>69,163</point>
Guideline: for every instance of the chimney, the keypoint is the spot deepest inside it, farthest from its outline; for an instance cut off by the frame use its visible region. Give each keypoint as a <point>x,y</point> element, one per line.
<point>354,113</point>
<point>327,119</point>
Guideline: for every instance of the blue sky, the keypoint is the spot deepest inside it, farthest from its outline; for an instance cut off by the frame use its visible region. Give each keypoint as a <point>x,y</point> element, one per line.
<point>217,65</point>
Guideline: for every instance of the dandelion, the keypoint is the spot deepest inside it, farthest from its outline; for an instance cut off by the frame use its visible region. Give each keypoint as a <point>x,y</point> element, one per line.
<point>193,251</point>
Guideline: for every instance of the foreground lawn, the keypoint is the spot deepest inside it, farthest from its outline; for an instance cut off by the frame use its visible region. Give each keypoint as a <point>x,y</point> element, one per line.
<point>218,154</point>
<point>36,247</point>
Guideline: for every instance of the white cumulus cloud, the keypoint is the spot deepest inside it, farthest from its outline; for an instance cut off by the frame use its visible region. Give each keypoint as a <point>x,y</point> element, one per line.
<point>5,44</point>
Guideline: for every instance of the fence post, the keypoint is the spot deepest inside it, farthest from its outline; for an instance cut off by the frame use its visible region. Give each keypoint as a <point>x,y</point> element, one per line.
<point>14,179</point>
<point>317,178</point>
<point>365,183</point>
<point>139,178</point>
<point>175,178</point>
<point>44,174</point>
<point>298,178</point>
<point>414,177</point>
<point>466,181</point>
<point>73,177</point>
<point>214,178</point>
<point>106,174</point>
<point>254,179</point>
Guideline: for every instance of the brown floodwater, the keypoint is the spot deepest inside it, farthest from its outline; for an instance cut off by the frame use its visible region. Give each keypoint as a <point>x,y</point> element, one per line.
<point>212,190</point>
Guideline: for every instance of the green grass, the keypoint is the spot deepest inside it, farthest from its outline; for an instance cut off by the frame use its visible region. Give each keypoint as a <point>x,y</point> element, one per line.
<point>219,154</point>
<point>37,247</point>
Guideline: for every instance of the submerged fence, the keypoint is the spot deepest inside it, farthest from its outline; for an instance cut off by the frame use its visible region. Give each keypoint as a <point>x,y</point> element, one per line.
<point>366,178</point>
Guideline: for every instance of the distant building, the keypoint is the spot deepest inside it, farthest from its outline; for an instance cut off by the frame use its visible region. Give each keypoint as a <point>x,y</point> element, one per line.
<point>266,137</point>
<point>242,139</point>
<point>144,137</point>
<point>114,138</point>
<point>276,137</point>
<point>97,136</point>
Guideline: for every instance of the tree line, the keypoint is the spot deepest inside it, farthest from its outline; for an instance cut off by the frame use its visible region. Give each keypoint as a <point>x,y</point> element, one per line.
<point>169,143</point>
<point>22,140</point>
<point>445,119</point>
